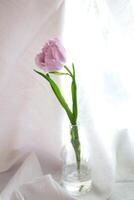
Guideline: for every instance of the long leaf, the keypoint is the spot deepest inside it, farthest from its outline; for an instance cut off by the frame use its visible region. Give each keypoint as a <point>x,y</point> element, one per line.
<point>61,99</point>
<point>41,74</point>
<point>59,73</point>
<point>59,95</point>
<point>68,70</point>
<point>74,95</point>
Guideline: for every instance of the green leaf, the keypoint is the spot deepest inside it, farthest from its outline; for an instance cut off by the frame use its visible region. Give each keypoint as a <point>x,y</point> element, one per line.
<point>73,69</point>
<point>74,95</point>
<point>74,99</point>
<point>59,73</point>
<point>41,74</point>
<point>61,99</point>
<point>59,95</point>
<point>68,70</point>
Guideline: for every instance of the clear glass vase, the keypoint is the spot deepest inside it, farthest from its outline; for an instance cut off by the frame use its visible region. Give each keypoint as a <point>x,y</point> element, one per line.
<point>76,172</point>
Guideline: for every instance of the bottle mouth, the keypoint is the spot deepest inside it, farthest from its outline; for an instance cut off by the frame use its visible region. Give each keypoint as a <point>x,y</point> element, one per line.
<point>74,125</point>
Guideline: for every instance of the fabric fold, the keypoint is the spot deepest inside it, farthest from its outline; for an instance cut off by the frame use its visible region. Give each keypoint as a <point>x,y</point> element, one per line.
<point>28,171</point>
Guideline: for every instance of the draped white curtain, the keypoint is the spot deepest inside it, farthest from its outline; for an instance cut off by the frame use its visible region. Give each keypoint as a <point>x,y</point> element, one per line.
<point>99,38</point>
<point>30,116</point>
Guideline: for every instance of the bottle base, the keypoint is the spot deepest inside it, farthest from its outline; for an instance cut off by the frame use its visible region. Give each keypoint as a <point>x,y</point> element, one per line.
<point>75,182</point>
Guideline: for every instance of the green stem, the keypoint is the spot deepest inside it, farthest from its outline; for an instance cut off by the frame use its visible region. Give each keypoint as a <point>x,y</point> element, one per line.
<point>72,115</point>
<point>76,145</point>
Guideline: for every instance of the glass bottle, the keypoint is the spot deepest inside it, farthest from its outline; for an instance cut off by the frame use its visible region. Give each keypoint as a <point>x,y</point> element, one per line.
<point>76,172</point>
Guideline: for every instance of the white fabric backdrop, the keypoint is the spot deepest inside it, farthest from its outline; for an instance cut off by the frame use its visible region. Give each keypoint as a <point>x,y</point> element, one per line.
<point>103,31</point>
<point>30,116</point>
<point>98,35</point>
